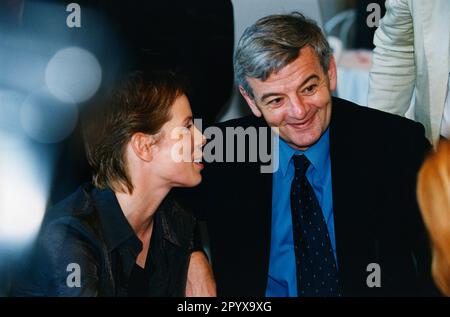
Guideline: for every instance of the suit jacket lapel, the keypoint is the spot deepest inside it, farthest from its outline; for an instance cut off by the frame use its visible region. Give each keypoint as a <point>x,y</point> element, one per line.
<point>355,245</point>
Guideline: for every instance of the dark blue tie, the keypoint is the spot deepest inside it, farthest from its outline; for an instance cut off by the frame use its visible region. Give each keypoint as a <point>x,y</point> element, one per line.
<point>315,263</point>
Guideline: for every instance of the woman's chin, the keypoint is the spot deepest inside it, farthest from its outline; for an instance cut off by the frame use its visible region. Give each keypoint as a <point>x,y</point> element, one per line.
<point>194,181</point>
<point>197,181</point>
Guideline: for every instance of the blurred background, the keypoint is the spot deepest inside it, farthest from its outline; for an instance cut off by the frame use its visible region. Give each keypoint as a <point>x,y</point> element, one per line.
<point>55,65</point>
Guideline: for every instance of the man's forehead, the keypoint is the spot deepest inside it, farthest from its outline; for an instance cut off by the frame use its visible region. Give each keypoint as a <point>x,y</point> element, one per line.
<point>283,84</point>
<point>306,64</point>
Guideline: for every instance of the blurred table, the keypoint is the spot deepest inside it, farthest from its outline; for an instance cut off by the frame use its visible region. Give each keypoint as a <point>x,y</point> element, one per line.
<point>353,75</point>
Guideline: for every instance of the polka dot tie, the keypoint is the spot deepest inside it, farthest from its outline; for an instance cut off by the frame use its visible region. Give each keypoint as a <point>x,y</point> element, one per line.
<point>316,266</point>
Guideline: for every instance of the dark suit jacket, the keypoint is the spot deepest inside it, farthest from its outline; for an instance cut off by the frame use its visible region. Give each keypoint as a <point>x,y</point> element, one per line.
<point>375,157</point>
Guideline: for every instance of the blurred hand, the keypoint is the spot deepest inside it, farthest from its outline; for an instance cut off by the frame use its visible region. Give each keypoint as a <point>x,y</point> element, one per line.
<point>200,280</point>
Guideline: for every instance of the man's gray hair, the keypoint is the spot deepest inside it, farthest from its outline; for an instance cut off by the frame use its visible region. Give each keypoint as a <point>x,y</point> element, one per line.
<point>273,42</point>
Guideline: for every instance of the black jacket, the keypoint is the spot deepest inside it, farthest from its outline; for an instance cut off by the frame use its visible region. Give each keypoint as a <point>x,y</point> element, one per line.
<point>375,158</point>
<point>89,229</point>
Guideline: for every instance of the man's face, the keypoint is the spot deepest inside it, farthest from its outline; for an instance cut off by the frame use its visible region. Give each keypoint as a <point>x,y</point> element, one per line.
<point>297,99</point>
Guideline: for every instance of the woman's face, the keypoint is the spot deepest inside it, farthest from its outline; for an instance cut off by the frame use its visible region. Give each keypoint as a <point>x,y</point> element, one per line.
<point>177,154</point>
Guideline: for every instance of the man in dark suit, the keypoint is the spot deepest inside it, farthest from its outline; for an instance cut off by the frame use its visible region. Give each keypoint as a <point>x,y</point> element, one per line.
<point>338,215</point>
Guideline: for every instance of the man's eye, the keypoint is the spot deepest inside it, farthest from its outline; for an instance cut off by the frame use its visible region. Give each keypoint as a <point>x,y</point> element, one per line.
<point>310,89</point>
<point>275,101</point>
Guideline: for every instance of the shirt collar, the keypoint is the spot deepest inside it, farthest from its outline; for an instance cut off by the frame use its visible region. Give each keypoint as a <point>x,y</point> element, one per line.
<point>166,212</point>
<point>116,226</point>
<point>317,154</point>
<point>117,229</point>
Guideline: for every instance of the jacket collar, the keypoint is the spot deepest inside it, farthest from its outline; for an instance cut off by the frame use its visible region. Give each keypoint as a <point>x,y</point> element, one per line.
<point>116,227</point>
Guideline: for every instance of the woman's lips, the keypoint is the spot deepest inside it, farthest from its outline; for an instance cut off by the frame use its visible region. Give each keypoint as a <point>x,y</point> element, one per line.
<point>198,162</point>
<point>199,165</point>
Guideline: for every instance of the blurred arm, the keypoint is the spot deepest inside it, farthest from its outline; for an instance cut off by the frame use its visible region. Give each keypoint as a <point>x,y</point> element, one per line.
<point>63,264</point>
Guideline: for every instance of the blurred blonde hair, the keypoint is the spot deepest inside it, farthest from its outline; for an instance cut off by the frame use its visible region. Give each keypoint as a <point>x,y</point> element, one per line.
<point>433,192</point>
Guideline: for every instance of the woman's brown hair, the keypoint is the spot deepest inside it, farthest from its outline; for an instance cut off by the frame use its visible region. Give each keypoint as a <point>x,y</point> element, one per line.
<point>141,104</point>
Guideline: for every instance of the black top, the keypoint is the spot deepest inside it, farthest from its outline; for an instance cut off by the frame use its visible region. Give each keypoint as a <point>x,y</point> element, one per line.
<point>139,281</point>
<point>89,229</point>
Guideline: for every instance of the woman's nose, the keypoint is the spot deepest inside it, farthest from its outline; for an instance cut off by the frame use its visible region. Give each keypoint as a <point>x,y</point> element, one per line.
<point>199,137</point>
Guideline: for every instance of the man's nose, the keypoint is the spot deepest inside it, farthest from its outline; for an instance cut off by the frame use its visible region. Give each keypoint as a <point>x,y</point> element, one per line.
<point>298,107</point>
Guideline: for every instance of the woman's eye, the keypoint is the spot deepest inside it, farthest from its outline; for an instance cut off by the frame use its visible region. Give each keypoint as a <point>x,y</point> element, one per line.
<point>189,125</point>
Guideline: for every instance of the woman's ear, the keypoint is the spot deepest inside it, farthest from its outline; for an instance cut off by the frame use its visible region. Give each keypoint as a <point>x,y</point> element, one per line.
<point>143,145</point>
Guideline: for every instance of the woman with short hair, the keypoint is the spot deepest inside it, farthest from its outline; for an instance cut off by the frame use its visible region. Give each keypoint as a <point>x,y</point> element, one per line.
<point>124,234</point>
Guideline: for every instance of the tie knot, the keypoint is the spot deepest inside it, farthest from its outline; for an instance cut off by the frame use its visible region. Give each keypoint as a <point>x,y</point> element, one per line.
<point>301,164</point>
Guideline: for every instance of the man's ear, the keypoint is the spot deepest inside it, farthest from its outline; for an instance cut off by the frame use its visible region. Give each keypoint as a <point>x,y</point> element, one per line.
<point>332,74</point>
<point>143,145</point>
<point>250,101</point>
